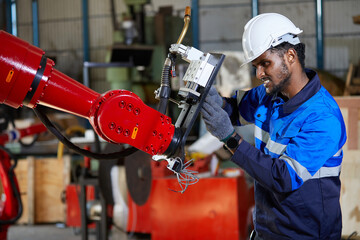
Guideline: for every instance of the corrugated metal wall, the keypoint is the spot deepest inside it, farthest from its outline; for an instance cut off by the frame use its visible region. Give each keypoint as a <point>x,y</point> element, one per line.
<point>221,28</point>
<point>61,34</point>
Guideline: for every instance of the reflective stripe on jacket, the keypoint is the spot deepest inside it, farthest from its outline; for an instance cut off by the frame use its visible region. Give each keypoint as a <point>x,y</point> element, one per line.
<point>296,163</point>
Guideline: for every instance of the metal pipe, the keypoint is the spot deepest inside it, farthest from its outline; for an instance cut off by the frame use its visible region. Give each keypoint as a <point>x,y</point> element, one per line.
<point>86,44</point>
<point>35,22</point>
<point>254,8</point>
<point>8,16</point>
<point>319,34</point>
<point>186,24</point>
<point>195,23</point>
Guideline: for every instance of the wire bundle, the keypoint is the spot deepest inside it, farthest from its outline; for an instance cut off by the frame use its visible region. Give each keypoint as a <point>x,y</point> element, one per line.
<point>185,176</point>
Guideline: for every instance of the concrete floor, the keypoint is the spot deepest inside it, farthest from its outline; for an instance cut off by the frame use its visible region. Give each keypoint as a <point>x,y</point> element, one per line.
<point>59,232</point>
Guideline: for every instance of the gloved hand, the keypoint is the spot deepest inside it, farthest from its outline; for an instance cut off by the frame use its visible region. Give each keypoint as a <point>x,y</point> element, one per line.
<point>215,95</point>
<point>216,119</point>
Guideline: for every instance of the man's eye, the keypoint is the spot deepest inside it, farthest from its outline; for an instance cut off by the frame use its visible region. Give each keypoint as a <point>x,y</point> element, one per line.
<point>265,64</point>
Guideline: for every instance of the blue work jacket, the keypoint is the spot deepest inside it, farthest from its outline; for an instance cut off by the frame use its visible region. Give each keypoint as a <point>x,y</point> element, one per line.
<point>296,163</point>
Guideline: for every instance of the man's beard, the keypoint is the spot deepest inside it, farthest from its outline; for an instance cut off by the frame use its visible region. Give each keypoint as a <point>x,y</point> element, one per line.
<point>285,75</point>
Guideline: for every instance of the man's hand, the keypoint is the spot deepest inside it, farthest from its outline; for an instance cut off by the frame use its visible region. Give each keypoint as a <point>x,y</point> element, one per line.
<point>216,119</point>
<point>215,96</point>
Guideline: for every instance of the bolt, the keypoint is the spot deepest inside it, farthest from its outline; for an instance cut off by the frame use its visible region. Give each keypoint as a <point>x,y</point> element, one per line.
<point>129,107</point>
<point>136,111</point>
<point>118,130</point>
<point>147,148</point>
<point>122,104</point>
<point>154,133</point>
<point>126,132</point>
<point>160,136</point>
<point>112,125</point>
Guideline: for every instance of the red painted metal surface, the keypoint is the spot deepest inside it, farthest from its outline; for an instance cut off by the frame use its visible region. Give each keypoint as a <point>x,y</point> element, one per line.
<point>139,219</point>
<point>73,215</point>
<point>19,62</point>
<point>9,206</point>
<point>215,208</point>
<point>26,78</point>
<point>121,117</point>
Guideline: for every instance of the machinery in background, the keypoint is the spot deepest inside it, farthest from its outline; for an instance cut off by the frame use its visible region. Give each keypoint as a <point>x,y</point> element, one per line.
<point>10,202</point>
<point>28,78</point>
<point>218,207</point>
<point>140,45</point>
<point>129,48</point>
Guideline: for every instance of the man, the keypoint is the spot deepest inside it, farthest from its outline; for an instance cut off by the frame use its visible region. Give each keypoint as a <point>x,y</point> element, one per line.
<point>299,134</point>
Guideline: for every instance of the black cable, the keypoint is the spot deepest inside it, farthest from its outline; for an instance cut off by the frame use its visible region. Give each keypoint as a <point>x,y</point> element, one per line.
<point>50,126</point>
<point>14,187</point>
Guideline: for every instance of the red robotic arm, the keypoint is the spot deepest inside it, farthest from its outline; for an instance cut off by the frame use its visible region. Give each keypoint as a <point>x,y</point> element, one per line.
<point>28,78</point>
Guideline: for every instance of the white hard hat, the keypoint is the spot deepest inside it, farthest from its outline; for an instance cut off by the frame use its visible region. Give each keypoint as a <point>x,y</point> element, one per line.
<point>265,31</point>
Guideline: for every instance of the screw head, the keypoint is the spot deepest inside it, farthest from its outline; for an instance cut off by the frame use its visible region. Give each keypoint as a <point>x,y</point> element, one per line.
<point>119,130</point>
<point>122,104</point>
<point>112,125</point>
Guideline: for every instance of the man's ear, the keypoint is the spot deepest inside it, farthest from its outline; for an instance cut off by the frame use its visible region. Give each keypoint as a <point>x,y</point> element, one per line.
<point>291,56</point>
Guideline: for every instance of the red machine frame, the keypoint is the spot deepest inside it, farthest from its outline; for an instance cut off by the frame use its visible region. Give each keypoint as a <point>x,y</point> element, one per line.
<point>11,206</point>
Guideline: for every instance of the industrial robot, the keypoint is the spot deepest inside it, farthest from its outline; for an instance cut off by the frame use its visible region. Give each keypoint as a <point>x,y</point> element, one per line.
<point>29,79</point>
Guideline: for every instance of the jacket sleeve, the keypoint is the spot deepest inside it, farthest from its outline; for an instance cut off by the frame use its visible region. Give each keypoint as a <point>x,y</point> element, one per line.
<point>243,104</point>
<point>319,139</point>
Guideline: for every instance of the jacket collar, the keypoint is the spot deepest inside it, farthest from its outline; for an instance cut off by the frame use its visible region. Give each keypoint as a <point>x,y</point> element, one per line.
<point>310,89</point>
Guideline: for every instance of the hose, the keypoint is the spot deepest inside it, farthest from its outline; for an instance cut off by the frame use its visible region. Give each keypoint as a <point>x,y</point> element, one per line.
<point>169,66</point>
<point>165,89</point>
<point>49,125</point>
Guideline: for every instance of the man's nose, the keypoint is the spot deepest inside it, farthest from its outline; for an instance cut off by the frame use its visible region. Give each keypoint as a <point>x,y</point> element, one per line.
<point>260,73</point>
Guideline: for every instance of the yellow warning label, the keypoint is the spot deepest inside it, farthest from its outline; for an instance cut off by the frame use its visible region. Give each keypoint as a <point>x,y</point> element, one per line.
<point>133,135</point>
<point>9,76</point>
